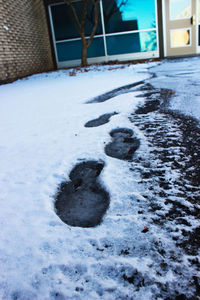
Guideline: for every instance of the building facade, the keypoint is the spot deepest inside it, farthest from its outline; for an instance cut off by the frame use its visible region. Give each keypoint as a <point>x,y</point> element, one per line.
<point>127,30</point>
<point>24,39</point>
<point>40,35</point>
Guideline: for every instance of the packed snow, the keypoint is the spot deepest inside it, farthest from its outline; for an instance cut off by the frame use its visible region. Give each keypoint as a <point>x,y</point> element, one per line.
<point>182,76</point>
<point>43,137</point>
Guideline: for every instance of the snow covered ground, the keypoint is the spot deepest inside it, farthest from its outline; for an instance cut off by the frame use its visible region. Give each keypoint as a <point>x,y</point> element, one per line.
<point>182,76</point>
<point>42,137</point>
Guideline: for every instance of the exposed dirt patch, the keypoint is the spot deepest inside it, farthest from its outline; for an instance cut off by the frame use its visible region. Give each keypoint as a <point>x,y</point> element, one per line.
<point>170,172</point>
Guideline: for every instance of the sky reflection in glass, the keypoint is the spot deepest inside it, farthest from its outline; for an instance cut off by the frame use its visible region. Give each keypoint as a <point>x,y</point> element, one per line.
<point>142,11</point>
<point>120,16</point>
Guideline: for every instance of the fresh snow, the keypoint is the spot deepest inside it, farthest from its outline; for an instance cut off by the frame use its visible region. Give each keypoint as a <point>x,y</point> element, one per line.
<point>43,137</point>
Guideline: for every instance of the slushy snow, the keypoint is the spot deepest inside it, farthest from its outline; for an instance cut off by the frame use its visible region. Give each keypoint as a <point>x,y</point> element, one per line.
<point>42,137</point>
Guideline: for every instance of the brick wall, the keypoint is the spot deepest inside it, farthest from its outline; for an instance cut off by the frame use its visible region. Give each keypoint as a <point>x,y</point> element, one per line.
<point>24,39</point>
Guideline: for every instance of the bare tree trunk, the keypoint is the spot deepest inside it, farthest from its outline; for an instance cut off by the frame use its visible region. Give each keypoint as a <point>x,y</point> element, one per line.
<point>83,39</point>
<point>80,25</point>
<point>96,18</point>
<point>84,53</point>
<point>80,22</point>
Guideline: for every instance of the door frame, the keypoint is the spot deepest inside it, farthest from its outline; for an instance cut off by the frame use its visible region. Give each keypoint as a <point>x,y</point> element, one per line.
<point>198,25</point>
<point>197,48</point>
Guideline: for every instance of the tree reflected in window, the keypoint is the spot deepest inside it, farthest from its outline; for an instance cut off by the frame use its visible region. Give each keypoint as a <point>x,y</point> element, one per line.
<point>128,15</point>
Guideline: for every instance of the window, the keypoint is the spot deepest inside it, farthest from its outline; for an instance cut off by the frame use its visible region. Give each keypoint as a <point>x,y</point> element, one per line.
<point>180,37</point>
<point>180,9</point>
<point>123,15</point>
<point>64,26</point>
<point>129,28</point>
<point>131,43</point>
<point>72,50</point>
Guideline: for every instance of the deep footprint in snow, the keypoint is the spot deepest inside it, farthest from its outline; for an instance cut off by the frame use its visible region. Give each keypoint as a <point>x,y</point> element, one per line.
<point>82,202</point>
<point>103,119</point>
<point>123,145</point>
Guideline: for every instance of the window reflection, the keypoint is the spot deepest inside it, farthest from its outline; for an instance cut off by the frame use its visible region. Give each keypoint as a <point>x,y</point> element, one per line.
<point>131,43</point>
<point>180,9</point>
<point>149,40</point>
<point>119,16</point>
<point>72,50</point>
<point>121,44</point>
<point>128,15</point>
<point>64,26</point>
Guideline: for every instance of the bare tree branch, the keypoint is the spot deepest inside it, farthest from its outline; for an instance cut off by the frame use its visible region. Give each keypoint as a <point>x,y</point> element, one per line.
<point>123,3</point>
<point>80,24</point>
<point>113,9</point>
<point>96,15</point>
<point>84,12</point>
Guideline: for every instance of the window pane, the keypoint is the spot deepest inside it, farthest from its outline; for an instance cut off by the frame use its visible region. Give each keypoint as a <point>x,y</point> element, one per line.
<point>72,50</point>
<point>127,15</point>
<point>63,21</point>
<point>69,50</point>
<point>180,38</point>
<point>180,9</point>
<point>131,43</point>
<point>96,48</point>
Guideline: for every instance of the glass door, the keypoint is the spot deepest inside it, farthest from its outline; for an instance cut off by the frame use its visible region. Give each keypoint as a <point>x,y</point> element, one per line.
<point>180,27</point>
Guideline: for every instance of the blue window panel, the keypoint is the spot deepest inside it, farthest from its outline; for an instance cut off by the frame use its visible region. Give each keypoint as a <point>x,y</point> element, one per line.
<point>96,48</point>
<point>122,44</point>
<point>72,50</point>
<point>68,50</point>
<point>128,15</point>
<point>63,21</point>
<point>131,43</point>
